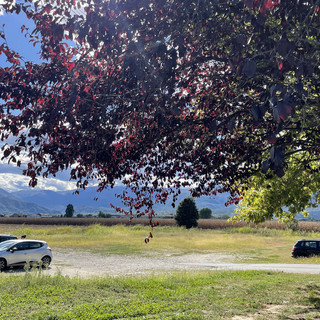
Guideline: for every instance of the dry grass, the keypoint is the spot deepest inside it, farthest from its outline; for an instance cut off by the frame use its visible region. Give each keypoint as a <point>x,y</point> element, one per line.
<point>247,244</point>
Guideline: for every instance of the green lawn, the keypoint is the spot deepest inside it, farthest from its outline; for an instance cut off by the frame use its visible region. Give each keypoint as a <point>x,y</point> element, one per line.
<point>200,295</point>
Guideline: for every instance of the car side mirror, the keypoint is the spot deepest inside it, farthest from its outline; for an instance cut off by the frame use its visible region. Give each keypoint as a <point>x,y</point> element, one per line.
<point>13,249</point>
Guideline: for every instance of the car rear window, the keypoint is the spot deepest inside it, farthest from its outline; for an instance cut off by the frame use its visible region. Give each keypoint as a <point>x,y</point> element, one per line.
<point>309,244</point>
<point>35,245</point>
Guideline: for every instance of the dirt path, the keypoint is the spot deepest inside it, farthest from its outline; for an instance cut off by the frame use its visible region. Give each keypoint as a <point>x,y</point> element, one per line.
<point>86,264</point>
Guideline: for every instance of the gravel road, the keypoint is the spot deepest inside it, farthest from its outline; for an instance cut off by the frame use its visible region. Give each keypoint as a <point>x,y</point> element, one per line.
<point>87,265</point>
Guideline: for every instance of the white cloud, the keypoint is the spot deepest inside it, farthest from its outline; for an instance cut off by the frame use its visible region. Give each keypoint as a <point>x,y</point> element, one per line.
<point>11,182</point>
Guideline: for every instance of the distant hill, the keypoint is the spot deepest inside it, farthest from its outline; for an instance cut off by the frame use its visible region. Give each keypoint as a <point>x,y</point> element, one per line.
<point>85,203</point>
<point>32,201</point>
<point>9,204</point>
<point>314,214</point>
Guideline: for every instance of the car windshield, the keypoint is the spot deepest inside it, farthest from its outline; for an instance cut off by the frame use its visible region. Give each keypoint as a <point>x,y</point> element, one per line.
<point>6,245</point>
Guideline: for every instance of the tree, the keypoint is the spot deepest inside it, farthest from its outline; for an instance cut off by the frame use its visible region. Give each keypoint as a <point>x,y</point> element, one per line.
<point>281,198</point>
<point>187,213</point>
<point>69,211</point>
<point>162,95</point>
<point>104,215</point>
<point>205,213</point>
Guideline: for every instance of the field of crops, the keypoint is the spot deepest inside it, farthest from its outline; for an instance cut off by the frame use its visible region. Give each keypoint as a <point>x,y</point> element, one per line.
<point>308,226</point>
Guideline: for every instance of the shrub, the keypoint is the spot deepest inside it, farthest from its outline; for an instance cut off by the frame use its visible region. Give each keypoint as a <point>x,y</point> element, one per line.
<point>187,213</point>
<point>292,225</point>
<point>205,213</point>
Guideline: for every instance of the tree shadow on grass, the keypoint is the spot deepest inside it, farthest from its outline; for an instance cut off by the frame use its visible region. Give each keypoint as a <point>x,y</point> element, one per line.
<point>313,291</point>
<point>24,269</point>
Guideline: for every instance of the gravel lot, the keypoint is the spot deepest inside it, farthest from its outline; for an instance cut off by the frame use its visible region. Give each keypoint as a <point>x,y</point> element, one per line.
<point>87,265</point>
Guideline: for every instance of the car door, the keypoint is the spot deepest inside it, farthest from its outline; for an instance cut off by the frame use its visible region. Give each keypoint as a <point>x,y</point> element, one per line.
<point>18,254</point>
<point>35,251</point>
<point>311,247</point>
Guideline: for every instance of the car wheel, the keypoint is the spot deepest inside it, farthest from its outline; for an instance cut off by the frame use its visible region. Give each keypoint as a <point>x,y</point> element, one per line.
<point>46,260</point>
<point>3,264</point>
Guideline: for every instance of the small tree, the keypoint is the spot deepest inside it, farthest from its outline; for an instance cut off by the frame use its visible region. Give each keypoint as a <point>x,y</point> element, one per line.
<point>104,215</point>
<point>69,211</point>
<point>187,213</point>
<point>205,213</point>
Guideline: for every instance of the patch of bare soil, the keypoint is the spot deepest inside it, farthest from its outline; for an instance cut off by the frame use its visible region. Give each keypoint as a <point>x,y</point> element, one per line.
<point>274,312</point>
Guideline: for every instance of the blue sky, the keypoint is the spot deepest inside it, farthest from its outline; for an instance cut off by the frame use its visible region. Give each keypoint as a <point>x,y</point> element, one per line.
<point>15,39</point>
<point>11,178</point>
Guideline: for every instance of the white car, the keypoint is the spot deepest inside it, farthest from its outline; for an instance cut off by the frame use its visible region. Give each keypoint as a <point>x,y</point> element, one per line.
<point>21,252</point>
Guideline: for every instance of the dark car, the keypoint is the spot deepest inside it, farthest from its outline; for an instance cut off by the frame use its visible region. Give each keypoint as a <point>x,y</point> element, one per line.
<point>5,237</point>
<point>306,248</point>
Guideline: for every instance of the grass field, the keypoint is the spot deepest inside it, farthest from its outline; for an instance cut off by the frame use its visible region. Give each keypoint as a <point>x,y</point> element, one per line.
<point>235,295</point>
<point>251,245</point>
<point>201,295</point>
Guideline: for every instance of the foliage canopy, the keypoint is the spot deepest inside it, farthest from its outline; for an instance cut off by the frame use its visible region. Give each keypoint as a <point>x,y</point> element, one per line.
<point>162,95</point>
<point>282,198</point>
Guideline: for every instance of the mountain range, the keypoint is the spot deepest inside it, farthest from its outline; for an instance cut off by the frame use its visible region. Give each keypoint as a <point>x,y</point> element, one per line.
<point>10,204</point>
<point>32,201</point>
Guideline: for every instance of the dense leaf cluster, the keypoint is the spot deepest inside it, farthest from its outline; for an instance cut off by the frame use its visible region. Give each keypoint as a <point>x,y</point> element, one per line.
<point>162,94</point>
